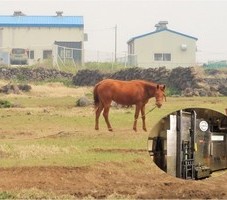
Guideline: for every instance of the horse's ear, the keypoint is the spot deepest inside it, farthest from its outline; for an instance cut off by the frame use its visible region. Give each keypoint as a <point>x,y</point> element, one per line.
<point>164,87</point>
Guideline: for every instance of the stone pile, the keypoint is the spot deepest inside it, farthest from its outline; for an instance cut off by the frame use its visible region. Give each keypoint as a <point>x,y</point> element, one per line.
<point>36,74</point>
<point>88,77</point>
<point>158,75</point>
<point>217,84</point>
<point>187,81</point>
<point>91,77</point>
<point>15,89</point>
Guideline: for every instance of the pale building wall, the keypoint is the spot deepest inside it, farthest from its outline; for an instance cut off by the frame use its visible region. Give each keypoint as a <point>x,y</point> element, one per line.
<point>35,36</point>
<point>38,38</point>
<point>165,42</point>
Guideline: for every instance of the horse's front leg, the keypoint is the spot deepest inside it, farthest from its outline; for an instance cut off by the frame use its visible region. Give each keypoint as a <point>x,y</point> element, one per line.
<point>143,117</point>
<point>136,117</point>
<point>97,114</point>
<point>105,115</point>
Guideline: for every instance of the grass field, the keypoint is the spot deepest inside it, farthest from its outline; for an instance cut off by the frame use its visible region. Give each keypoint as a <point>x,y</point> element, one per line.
<point>47,129</point>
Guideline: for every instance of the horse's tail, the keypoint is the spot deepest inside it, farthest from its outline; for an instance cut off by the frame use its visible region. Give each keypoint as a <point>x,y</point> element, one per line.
<point>95,95</point>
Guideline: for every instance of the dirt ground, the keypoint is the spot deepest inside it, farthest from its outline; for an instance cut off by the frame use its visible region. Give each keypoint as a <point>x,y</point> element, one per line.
<point>108,180</point>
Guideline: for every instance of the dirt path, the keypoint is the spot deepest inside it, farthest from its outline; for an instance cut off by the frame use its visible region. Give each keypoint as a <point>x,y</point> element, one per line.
<point>107,179</point>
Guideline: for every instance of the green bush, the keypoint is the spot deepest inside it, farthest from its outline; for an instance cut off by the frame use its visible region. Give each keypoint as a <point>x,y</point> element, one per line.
<point>172,91</point>
<point>6,195</point>
<point>5,104</point>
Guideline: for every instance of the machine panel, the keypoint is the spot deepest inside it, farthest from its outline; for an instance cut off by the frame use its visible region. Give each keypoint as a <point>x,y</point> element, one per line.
<point>190,143</point>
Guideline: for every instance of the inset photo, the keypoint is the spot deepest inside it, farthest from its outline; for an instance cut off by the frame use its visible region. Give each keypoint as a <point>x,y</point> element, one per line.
<point>190,143</point>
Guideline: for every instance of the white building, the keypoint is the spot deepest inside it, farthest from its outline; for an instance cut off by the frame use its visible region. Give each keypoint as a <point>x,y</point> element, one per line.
<point>163,47</point>
<point>54,37</point>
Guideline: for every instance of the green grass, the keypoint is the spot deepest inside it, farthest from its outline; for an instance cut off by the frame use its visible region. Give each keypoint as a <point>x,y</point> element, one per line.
<point>47,131</point>
<point>105,67</point>
<point>51,131</point>
<point>32,193</point>
<point>30,101</point>
<point>5,104</point>
<point>6,195</point>
<point>69,151</point>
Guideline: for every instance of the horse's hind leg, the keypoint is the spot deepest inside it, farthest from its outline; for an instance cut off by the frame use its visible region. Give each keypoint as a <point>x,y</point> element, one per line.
<point>136,117</point>
<point>105,115</point>
<point>97,114</point>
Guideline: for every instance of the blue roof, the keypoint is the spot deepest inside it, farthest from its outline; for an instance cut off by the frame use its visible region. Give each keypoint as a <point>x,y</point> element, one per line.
<point>41,21</point>
<point>154,32</point>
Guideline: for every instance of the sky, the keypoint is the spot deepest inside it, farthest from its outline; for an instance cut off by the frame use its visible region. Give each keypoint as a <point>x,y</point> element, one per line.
<point>203,19</point>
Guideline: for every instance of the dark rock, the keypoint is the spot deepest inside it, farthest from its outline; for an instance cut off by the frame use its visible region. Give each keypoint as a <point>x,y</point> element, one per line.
<point>83,101</point>
<point>87,77</point>
<point>25,88</point>
<point>15,89</point>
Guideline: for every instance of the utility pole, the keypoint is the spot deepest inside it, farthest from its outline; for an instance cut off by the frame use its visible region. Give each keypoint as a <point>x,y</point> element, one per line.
<point>115,47</point>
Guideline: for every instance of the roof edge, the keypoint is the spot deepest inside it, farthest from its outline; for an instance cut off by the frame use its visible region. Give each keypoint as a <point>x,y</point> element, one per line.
<point>41,21</point>
<point>43,25</point>
<point>150,33</point>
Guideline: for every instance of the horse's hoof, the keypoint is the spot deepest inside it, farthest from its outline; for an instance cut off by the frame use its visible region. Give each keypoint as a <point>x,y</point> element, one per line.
<point>110,129</point>
<point>135,129</point>
<point>145,129</point>
<point>96,128</point>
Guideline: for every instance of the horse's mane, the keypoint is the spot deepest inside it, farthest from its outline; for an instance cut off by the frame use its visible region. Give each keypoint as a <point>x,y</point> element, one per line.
<point>145,81</point>
<point>148,83</point>
<point>150,88</point>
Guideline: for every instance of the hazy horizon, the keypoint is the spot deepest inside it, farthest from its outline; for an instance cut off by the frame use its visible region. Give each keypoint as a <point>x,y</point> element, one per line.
<point>203,19</point>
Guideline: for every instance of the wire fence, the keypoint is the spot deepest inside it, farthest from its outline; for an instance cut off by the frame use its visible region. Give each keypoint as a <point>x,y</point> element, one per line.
<point>61,57</point>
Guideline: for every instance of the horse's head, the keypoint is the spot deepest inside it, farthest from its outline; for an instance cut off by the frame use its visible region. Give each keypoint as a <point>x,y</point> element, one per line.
<point>160,95</point>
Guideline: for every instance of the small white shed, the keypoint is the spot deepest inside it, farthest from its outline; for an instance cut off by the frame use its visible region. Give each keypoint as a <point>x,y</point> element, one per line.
<point>162,47</point>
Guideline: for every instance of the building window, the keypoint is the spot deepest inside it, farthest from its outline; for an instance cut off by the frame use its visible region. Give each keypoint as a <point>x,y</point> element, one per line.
<point>68,53</point>
<point>157,56</point>
<point>31,54</point>
<point>65,53</point>
<point>166,56</point>
<point>162,57</point>
<point>47,54</point>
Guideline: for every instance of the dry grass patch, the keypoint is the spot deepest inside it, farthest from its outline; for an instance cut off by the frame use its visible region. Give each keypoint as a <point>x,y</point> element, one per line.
<point>35,193</point>
<point>58,90</point>
<point>36,151</point>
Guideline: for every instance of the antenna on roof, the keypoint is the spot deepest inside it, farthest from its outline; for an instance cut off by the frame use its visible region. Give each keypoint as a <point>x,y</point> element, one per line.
<point>18,13</point>
<point>59,13</point>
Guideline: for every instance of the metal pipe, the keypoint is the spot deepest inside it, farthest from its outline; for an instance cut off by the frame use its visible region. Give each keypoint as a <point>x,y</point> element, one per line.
<point>179,154</point>
<point>193,131</point>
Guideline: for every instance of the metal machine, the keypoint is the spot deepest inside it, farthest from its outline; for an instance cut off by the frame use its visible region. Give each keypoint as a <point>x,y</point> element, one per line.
<point>190,143</point>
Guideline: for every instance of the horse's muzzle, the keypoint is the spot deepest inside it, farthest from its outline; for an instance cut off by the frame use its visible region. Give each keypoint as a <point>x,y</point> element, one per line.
<point>159,105</point>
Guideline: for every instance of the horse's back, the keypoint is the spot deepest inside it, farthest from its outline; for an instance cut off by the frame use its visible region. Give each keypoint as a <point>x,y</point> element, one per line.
<point>122,82</point>
<point>122,92</point>
<point>119,85</point>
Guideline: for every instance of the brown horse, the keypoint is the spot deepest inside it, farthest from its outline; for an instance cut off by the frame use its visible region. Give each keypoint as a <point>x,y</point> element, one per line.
<point>135,92</point>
